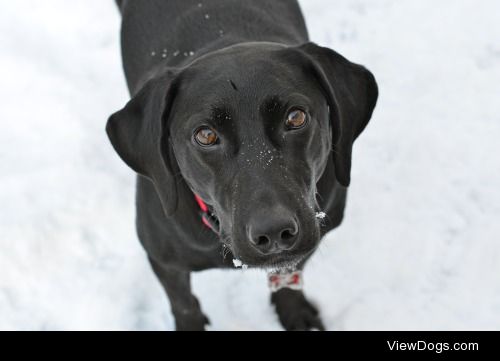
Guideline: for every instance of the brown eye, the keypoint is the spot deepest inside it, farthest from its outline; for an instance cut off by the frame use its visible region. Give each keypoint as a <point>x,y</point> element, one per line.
<point>296,119</point>
<point>205,136</point>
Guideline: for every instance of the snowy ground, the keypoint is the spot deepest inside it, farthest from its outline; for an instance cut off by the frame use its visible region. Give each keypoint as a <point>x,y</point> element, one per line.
<point>420,246</point>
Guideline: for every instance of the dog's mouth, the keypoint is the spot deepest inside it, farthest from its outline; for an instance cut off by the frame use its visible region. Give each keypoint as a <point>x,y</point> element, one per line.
<point>276,262</point>
<point>283,262</point>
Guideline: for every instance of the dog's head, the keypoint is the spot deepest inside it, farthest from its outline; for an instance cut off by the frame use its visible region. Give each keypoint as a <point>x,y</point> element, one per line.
<point>250,128</point>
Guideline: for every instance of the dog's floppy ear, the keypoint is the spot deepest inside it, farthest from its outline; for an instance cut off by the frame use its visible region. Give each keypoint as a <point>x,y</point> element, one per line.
<point>139,134</point>
<point>351,92</point>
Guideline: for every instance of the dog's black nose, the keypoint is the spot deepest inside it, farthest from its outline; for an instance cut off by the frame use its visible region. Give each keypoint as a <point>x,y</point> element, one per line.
<point>272,234</point>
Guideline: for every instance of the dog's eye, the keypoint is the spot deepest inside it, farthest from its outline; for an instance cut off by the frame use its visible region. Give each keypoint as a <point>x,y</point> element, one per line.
<point>296,119</point>
<point>205,136</point>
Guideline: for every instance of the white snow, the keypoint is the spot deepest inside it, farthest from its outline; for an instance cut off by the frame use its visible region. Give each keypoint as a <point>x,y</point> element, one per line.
<point>237,263</point>
<point>419,248</point>
<point>320,215</point>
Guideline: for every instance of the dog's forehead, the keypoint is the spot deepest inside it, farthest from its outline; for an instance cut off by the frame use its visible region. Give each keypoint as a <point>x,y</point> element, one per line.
<point>244,69</point>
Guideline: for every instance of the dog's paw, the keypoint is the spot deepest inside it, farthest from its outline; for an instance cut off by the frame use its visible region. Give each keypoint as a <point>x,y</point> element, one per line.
<point>191,322</point>
<point>295,312</point>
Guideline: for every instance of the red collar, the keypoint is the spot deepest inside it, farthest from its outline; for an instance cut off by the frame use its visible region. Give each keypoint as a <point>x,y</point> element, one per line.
<point>208,218</point>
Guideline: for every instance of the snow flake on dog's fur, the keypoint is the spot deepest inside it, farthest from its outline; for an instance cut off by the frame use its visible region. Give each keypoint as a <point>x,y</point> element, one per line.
<point>320,215</point>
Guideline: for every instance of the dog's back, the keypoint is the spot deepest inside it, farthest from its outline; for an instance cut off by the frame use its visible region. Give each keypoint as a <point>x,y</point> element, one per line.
<point>177,31</point>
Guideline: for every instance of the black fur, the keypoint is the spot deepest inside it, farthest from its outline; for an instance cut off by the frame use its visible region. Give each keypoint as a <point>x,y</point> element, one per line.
<point>239,67</point>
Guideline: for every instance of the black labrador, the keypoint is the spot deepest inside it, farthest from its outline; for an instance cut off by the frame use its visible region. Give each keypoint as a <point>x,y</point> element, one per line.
<point>241,132</point>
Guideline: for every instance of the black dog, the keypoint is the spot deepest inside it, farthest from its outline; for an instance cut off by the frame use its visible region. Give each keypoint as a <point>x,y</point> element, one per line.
<point>241,131</point>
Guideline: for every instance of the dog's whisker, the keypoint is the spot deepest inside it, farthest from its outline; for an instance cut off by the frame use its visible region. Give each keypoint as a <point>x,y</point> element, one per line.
<point>335,151</point>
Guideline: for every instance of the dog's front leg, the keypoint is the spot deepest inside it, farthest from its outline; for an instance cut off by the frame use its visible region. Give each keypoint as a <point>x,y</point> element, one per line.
<point>295,312</point>
<point>185,306</point>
